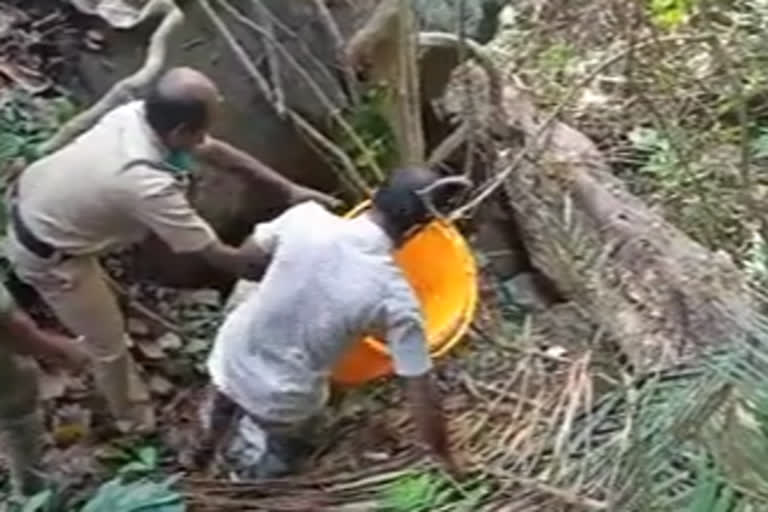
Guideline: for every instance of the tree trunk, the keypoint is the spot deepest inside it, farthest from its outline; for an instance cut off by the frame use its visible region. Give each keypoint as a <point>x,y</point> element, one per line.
<point>660,295</point>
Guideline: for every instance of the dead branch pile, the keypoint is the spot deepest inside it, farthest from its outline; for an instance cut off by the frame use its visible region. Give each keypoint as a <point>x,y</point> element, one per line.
<point>35,48</point>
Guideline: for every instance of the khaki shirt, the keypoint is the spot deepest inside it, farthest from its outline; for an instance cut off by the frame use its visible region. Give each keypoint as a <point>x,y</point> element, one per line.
<point>81,200</point>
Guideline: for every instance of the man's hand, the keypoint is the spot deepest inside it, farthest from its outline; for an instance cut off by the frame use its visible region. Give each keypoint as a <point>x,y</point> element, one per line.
<point>24,337</point>
<point>72,354</point>
<point>299,194</point>
<point>247,261</point>
<point>428,416</point>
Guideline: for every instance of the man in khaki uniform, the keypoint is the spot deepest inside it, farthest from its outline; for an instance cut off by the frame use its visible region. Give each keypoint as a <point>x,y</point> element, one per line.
<point>111,187</point>
<point>20,423</point>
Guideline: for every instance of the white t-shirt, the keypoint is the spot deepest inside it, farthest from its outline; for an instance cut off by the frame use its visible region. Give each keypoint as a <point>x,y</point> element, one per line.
<point>331,280</point>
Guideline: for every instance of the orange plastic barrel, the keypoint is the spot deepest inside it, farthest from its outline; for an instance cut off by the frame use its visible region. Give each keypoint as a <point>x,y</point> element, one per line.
<point>439,266</point>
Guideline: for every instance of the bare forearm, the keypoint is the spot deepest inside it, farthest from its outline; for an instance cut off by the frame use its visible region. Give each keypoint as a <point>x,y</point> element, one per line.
<point>246,261</point>
<point>22,336</point>
<point>227,157</point>
<point>428,415</point>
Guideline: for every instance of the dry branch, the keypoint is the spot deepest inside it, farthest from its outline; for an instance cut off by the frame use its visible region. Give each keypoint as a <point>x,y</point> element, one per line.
<point>333,110</point>
<point>372,46</point>
<point>662,297</point>
<point>126,89</point>
<point>408,98</point>
<point>339,45</point>
<point>272,58</point>
<point>351,176</point>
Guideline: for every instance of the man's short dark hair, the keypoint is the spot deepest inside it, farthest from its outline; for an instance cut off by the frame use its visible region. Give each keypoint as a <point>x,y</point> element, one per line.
<point>398,199</point>
<point>166,112</point>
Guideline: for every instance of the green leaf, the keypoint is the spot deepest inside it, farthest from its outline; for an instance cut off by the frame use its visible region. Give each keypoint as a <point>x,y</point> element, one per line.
<point>148,455</point>
<point>38,502</point>
<point>135,467</point>
<point>139,496</point>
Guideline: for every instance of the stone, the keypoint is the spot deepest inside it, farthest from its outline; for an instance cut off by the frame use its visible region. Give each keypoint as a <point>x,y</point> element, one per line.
<point>150,350</point>
<point>169,341</point>
<point>480,17</point>
<point>160,386</point>
<point>137,327</point>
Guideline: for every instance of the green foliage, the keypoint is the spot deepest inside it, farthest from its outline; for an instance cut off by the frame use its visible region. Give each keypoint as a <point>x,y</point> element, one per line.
<point>711,493</point>
<point>131,490</point>
<point>143,461</point>
<point>26,122</point>
<point>40,502</point>
<point>426,491</point>
<point>759,144</point>
<point>756,259</point>
<point>669,14</point>
<point>142,495</point>
<point>699,190</point>
<point>371,125</point>
<point>664,163</point>
<point>556,57</point>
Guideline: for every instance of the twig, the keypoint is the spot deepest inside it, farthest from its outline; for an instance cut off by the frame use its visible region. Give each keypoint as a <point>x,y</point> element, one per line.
<point>737,86</point>
<point>137,307</point>
<point>533,147</point>
<point>126,88</point>
<point>352,177</point>
<point>449,144</point>
<point>469,103</point>
<point>272,60</point>
<point>339,45</point>
<point>261,82</point>
<point>333,109</point>
<point>566,495</point>
<point>407,89</point>
<point>478,54</point>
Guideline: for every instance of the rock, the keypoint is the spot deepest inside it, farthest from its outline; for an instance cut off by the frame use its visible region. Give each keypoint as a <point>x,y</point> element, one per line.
<point>138,327</point>
<point>150,350</point>
<point>169,341</point>
<point>197,346</point>
<point>160,386</point>
<point>204,298</point>
<point>480,19</point>
<point>508,17</point>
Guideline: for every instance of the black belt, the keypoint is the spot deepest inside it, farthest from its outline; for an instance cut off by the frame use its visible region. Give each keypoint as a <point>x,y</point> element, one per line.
<point>28,239</point>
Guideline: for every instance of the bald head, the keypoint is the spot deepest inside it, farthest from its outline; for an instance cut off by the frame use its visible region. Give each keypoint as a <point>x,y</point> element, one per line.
<point>181,105</point>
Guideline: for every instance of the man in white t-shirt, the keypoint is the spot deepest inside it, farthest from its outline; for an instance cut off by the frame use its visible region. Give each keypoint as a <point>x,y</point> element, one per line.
<point>330,281</point>
<point>110,187</point>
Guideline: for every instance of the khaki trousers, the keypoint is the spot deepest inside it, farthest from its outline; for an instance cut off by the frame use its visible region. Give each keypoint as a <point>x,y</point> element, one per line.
<point>77,292</point>
<point>21,425</point>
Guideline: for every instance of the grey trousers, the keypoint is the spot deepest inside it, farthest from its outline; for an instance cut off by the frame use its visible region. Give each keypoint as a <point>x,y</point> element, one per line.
<point>21,424</point>
<point>256,449</point>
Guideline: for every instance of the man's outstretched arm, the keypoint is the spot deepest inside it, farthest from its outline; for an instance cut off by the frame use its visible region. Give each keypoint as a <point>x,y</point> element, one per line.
<point>427,415</point>
<point>21,335</point>
<point>408,345</point>
<point>225,156</point>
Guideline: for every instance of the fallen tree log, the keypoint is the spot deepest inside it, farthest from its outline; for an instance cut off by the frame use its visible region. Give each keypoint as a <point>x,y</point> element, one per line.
<point>662,297</point>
